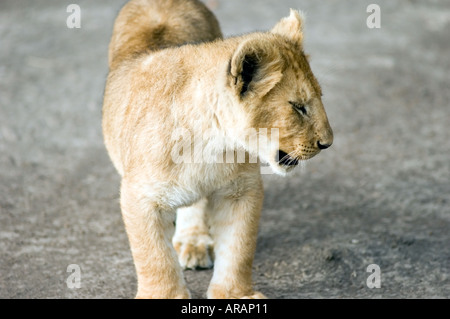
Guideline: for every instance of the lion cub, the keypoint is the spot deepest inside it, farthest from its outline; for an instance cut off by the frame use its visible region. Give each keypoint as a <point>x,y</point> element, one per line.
<point>174,81</point>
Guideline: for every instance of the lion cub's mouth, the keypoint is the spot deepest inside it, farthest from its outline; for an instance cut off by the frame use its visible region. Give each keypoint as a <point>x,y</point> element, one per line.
<point>286,160</point>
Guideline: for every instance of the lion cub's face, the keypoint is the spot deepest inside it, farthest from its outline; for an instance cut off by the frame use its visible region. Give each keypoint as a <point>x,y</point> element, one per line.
<point>278,90</point>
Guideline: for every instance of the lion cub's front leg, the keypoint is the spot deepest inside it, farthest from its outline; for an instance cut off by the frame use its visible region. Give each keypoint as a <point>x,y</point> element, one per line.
<point>192,241</point>
<point>149,229</point>
<point>235,213</point>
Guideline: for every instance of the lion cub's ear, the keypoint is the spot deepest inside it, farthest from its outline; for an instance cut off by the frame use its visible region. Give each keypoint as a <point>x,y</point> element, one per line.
<point>291,27</point>
<point>255,68</point>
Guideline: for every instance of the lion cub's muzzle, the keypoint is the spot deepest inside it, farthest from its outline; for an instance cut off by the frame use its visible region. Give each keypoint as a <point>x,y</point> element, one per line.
<point>286,160</point>
<point>305,152</point>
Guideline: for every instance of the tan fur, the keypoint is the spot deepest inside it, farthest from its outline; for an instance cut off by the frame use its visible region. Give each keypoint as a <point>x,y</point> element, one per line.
<point>171,72</point>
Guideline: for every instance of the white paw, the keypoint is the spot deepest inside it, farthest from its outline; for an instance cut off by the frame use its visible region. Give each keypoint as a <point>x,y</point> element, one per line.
<point>255,295</point>
<point>194,250</point>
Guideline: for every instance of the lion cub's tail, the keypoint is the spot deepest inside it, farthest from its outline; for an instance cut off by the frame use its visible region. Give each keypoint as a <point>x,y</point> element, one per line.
<point>151,25</point>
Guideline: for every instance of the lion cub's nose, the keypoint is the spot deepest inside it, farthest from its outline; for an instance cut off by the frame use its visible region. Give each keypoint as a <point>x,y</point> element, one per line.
<point>325,140</point>
<point>323,146</point>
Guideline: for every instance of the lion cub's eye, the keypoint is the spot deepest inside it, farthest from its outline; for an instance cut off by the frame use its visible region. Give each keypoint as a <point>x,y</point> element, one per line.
<point>301,108</point>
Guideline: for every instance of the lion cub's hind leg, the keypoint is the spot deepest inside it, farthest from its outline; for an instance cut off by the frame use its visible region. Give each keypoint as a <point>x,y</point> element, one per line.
<point>192,240</point>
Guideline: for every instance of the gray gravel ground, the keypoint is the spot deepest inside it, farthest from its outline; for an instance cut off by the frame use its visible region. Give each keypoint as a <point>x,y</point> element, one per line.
<point>380,195</point>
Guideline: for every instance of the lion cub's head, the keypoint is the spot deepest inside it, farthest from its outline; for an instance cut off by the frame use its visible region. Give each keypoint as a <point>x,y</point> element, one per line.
<point>273,87</point>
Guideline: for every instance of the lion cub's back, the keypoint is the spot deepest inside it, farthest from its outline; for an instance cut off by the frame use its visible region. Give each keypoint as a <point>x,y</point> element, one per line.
<point>144,25</point>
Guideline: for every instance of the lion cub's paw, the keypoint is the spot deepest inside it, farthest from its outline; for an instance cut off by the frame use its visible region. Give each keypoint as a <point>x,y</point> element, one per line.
<point>219,292</point>
<point>255,295</point>
<point>194,250</point>
<point>178,295</point>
